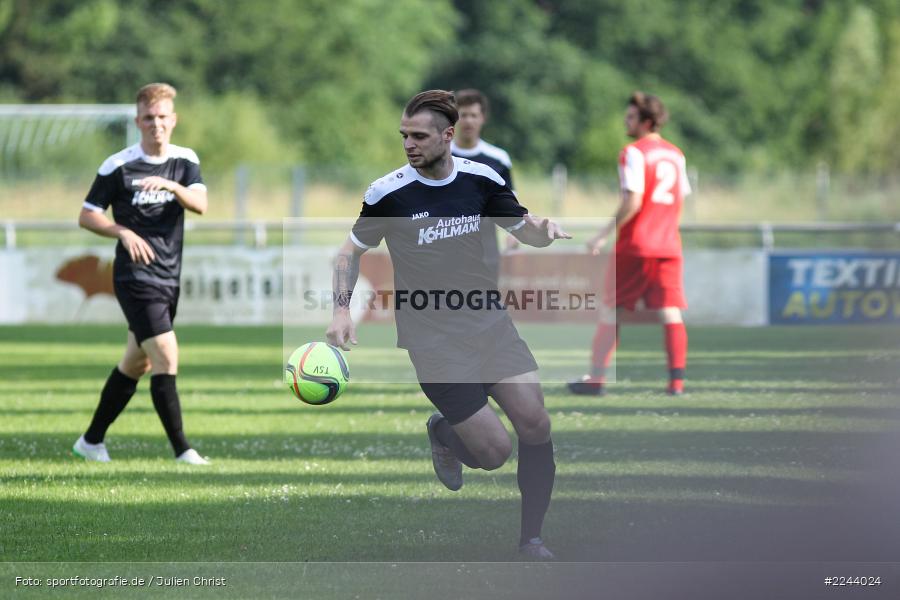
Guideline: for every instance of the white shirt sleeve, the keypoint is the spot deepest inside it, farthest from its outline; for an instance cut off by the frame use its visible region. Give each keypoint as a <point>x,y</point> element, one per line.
<point>685,182</point>
<point>632,172</point>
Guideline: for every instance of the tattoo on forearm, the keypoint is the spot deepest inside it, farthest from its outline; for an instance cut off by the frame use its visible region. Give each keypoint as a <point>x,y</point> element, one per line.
<point>346,272</point>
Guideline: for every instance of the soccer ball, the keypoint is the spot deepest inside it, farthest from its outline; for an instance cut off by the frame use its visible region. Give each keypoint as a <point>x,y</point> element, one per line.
<point>317,373</point>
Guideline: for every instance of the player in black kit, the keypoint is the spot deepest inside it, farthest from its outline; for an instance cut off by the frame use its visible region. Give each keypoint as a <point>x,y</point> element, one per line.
<point>149,186</point>
<point>467,143</point>
<point>430,213</point>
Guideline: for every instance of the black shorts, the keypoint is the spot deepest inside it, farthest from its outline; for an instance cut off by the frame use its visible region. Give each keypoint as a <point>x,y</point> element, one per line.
<point>149,308</point>
<point>457,375</point>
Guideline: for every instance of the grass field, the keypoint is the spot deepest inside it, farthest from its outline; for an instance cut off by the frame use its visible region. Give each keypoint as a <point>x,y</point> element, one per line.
<point>782,433</point>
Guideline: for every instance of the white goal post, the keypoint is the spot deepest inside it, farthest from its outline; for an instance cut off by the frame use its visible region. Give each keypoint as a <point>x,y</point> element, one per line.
<point>27,128</point>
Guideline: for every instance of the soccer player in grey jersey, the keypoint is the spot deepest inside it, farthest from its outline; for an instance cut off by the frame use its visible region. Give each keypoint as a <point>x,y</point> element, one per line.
<point>148,186</point>
<point>430,213</point>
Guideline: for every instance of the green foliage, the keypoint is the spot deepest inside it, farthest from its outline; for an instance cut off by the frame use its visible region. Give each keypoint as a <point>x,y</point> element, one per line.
<point>887,151</point>
<point>45,44</point>
<point>855,76</point>
<point>751,84</point>
<point>231,129</point>
<point>603,88</point>
<point>327,71</point>
<point>318,75</point>
<point>6,13</point>
<point>506,49</point>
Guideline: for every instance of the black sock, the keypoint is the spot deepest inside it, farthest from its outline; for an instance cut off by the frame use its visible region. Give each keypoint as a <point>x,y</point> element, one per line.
<point>116,393</point>
<point>165,401</point>
<point>445,435</point>
<point>535,475</point>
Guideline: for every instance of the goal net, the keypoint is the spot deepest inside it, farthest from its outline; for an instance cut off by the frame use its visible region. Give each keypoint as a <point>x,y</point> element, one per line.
<point>57,140</point>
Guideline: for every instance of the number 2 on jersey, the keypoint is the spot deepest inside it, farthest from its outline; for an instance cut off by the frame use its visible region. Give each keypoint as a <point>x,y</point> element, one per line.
<point>666,177</point>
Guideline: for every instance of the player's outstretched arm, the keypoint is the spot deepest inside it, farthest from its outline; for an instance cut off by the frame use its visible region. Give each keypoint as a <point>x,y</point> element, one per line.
<point>539,232</point>
<point>136,246</point>
<point>346,272</point>
<point>629,206</point>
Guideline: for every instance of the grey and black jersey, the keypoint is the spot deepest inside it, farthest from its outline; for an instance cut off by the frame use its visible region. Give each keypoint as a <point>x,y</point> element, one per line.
<point>433,231</point>
<point>156,216</point>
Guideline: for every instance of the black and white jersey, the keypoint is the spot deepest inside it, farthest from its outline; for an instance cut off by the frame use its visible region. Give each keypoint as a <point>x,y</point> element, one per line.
<point>497,159</point>
<point>155,216</point>
<point>433,231</point>
<point>490,155</point>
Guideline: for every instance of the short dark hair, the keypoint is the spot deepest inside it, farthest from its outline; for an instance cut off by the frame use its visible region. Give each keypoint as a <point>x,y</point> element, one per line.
<point>472,96</point>
<point>650,108</point>
<point>441,103</point>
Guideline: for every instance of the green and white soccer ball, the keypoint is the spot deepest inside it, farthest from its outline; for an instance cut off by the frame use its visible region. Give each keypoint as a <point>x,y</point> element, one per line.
<point>317,373</point>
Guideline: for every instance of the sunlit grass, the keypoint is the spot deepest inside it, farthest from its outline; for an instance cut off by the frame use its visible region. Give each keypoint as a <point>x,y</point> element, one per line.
<point>770,426</point>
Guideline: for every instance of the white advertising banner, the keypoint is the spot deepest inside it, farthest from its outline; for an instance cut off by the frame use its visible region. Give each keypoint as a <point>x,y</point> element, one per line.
<point>219,285</point>
<point>12,290</point>
<point>726,287</point>
<point>245,286</point>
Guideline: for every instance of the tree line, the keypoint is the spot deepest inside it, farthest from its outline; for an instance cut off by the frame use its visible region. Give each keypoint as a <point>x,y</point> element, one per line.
<point>751,85</point>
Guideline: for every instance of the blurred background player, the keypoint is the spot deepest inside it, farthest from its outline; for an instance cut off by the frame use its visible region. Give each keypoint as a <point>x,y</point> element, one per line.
<point>461,356</point>
<point>473,109</point>
<point>149,186</point>
<point>648,259</point>
<point>467,143</point>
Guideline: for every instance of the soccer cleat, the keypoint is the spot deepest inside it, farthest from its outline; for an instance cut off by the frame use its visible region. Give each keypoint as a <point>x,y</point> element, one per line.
<point>587,386</point>
<point>676,387</point>
<point>191,457</point>
<point>93,452</point>
<point>535,549</point>
<point>447,467</point>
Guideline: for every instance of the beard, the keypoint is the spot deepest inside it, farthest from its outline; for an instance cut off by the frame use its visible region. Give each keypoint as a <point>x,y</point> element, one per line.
<point>427,162</point>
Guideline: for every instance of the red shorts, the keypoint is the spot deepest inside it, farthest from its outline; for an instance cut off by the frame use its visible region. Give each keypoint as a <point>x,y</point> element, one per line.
<point>656,281</point>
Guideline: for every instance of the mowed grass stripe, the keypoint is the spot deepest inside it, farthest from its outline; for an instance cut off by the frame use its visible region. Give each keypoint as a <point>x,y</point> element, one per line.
<point>774,426</point>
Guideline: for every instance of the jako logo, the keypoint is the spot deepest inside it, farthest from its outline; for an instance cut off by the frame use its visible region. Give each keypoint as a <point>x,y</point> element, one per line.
<point>420,215</point>
<point>447,228</point>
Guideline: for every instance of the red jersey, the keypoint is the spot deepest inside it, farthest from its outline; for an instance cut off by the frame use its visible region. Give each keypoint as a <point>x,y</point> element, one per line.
<point>654,168</point>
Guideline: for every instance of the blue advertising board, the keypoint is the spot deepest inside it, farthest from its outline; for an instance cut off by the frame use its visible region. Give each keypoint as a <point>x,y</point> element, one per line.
<point>834,287</point>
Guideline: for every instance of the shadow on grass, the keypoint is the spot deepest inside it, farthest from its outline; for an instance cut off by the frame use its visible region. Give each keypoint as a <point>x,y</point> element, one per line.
<point>877,378</point>
<point>749,448</point>
<point>292,408</point>
<point>623,516</point>
<point>114,334</point>
<point>444,527</point>
<point>802,448</point>
<point>721,491</point>
<point>683,410</point>
<point>703,389</point>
